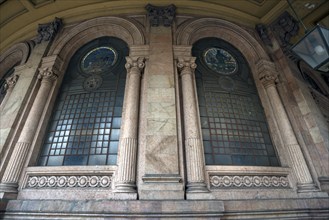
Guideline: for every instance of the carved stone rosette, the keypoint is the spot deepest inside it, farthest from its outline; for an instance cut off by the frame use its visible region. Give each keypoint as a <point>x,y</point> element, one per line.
<point>161,15</point>
<point>193,143</point>
<point>39,182</point>
<point>126,175</point>
<point>240,181</point>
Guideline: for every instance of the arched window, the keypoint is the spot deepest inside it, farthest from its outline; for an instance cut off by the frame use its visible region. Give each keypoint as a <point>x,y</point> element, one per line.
<point>85,125</point>
<point>233,123</point>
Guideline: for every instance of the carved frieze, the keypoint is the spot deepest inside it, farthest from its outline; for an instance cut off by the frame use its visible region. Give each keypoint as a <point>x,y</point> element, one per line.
<point>161,15</point>
<point>257,181</point>
<point>69,181</point>
<point>48,31</point>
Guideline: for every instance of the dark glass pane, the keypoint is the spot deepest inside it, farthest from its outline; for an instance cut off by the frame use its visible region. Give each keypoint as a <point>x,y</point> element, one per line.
<point>234,127</point>
<point>85,124</point>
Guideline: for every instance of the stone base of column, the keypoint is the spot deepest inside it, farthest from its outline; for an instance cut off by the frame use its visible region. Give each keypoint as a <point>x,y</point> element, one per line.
<point>197,188</point>
<point>125,188</point>
<point>8,190</point>
<point>307,187</point>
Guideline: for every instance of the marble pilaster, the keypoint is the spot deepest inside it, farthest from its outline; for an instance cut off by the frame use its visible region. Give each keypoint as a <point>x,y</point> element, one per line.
<point>268,77</point>
<point>193,143</point>
<point>126,175</point>
<point>9,182</point>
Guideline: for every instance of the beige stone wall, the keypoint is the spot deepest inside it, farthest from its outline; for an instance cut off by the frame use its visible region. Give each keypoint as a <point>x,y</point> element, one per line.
<point>161,153</point>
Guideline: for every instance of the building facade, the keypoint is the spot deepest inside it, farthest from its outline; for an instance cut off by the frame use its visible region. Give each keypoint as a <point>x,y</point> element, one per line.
<point>161,114</point>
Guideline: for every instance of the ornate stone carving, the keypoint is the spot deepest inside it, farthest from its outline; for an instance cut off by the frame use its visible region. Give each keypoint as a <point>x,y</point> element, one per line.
<point>47,74</point>
<point>11,81</point>
<point>263,34</point>
<point>186,65</point>
<point>134,65</point>
<point>161,15</point>
<point>285,27</point>
<point>249,181</point>
<point>69,181</point>
<point>48,31</point>
<point>267,73</point>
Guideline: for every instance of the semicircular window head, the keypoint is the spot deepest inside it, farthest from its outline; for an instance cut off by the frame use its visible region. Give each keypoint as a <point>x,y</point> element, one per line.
<point>234,126</point>
<point>84,128</point>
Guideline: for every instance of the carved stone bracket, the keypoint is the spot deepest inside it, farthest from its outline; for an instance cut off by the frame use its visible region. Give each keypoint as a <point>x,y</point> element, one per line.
<point>161,15</point>
<point>256,181</point>
<point>263,34</point>
<point>69,181</point>
<point>48,31</point>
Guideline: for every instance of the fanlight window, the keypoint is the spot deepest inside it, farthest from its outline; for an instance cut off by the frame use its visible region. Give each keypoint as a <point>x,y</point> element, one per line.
<point>85,124</point>
<point>233,123</point>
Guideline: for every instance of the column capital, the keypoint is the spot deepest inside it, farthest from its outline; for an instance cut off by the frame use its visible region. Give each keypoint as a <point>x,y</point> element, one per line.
<point>135,65</point>
<point>11,81</point>
<point>186,65</point>
<point>47,74</point>
<point>267,73</point>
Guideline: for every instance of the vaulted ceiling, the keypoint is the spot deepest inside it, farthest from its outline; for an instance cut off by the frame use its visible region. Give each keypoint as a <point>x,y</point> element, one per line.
<point>19,19</point>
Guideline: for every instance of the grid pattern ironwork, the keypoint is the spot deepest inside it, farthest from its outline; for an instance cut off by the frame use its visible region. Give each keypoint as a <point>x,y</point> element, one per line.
<point>233,122</point>
<point>85,125</point>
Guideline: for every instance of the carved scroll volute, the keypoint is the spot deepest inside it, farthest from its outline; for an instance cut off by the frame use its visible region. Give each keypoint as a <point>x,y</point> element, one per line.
<point>268,74</point>
<point>186,65</point>
<point>135,65</point>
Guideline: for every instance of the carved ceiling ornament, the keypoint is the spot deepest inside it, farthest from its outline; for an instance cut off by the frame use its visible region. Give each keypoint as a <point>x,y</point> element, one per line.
<point>161,15</point>
<point>48,31</point>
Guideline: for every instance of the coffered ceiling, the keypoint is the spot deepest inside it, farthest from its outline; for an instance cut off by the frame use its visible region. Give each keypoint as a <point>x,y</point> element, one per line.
<point>19,18</point>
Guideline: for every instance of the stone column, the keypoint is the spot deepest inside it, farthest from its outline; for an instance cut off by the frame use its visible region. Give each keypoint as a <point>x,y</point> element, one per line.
<point>193,143</point>
<point>268,77</point>
<point>15,166</point>
<point>10,84</point>
<point>126,175</point>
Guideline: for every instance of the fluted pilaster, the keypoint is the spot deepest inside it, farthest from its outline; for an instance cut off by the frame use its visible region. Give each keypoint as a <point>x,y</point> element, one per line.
<point>126,175</point>
<point>268,77</point>
<point>193,143</point>
<point>15,166</point>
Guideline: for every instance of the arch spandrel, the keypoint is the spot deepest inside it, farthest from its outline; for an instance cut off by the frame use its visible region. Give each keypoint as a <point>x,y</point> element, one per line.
<point>67,42</point>
<point>191,31</point>
<point>17,54</point>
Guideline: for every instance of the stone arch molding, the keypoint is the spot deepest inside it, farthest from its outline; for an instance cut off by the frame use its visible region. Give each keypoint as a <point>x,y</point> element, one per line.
<point>192,31</point>
<point>17,54</point>
<point>69,41</point>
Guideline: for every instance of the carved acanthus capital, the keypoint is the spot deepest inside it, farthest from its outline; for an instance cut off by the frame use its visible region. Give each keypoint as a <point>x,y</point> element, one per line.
<point>268,74</point>
<point>48,31</point>
<point>161,15</point>
<point>11,81</point>
<point>47,74</point>
<point>135,65</point>
<point>186,65</point>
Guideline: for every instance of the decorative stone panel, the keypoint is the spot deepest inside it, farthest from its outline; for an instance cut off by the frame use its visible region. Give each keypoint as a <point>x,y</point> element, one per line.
<point>250,181</point>
<point>69,181</point>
